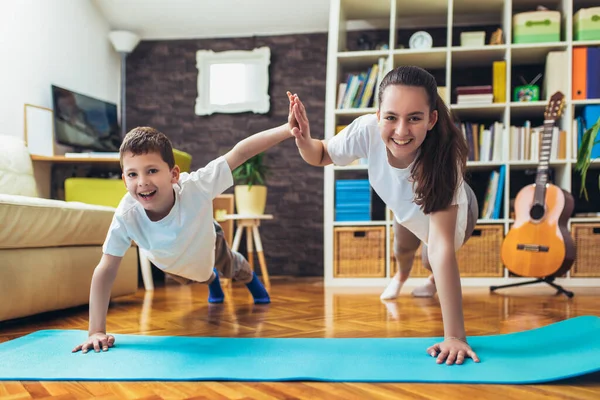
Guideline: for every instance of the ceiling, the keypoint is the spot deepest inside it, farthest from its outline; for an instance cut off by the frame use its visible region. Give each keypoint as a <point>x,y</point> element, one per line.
<point>185,19</point>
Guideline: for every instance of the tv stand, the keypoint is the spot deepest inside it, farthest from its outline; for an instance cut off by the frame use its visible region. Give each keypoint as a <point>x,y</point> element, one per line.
<point>82,159</point>
<point>93,154</point>
<point>42,168</point>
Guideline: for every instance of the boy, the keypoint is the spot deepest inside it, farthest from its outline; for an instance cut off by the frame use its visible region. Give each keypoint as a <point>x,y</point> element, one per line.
<point>170,216</point>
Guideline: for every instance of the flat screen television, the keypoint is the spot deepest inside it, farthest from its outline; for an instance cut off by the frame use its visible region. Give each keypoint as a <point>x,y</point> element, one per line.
<point>85,123</point>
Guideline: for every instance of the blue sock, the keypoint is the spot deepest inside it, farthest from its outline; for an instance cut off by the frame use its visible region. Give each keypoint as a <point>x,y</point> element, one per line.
<point>215,293</point>
<point>258,291</point>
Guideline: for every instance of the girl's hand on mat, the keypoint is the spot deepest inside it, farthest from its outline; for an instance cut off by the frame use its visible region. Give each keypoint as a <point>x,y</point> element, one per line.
<point>96,341</point>
<point>452,350</point>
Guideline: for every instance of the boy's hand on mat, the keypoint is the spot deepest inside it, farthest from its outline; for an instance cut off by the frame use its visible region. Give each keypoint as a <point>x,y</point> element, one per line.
<point>97,341</point>
<point>452,350</point>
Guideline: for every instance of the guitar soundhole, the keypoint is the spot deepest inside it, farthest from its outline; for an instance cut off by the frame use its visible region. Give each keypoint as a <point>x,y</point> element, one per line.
<point>536,212</point>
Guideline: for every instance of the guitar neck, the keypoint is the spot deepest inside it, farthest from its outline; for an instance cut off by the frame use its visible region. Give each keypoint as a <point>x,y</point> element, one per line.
<point>541,178</point>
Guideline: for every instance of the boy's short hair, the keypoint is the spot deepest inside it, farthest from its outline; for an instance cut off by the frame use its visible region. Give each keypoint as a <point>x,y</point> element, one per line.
<point>143,140</point>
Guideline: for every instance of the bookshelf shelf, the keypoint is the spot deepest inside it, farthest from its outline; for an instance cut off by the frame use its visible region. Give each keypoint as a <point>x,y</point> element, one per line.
<point>472,112</point>
<point>360,223</point>
<point>360,58</point>
<point>491,221</point>
<point>582,43</point>
<point>533,164</point>
<point>585,102</point>
<point>474,165</point>
<point>434,58</point>
<point>585,219</point>
<point>354,112</point>
<point>527,109</point>
<point>475,56</point>
<point>393,22</point>
<point>535,53</point>
<point>483,7</point>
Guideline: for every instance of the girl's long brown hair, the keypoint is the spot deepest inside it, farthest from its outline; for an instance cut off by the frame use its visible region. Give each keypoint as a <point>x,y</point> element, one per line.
<point>441,163</point>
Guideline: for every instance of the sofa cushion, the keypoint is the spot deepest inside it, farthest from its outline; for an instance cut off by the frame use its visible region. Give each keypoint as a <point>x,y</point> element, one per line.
<point>29,222</point>
<point>16,169</point>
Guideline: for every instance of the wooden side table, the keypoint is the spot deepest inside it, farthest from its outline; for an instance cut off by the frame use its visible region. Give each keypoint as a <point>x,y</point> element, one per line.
<point>251,223</point>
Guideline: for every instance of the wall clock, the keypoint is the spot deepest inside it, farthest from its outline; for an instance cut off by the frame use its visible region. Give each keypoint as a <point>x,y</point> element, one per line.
<point>420,40</point>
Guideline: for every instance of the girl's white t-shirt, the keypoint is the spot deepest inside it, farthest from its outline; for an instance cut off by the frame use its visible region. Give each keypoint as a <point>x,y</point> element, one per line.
<point>183,242</point>
<point>361,139</point>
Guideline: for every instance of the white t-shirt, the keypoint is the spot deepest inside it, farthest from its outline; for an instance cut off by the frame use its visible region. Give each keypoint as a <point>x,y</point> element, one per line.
<point>183,242</point>
<point>362,139</point>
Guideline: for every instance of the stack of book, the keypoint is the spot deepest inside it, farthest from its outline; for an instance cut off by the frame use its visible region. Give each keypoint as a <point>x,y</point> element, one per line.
<point>492,202</point>
<point>352,200</point>
<point>475,94</point>
<point>360,89</point>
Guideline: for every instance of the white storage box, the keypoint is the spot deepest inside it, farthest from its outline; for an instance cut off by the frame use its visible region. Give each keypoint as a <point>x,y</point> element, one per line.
<point>472,39</point>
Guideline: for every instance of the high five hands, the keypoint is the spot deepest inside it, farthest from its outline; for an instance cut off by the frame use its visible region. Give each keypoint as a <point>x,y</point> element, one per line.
<point>298,120</point>
<point>452,350</point>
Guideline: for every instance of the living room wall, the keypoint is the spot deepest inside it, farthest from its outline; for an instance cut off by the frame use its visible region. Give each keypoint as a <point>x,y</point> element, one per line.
<point>161,92</point>
<point>52,42</point>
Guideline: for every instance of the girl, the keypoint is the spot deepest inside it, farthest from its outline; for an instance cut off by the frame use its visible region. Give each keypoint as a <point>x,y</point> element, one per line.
<point>417,159</point>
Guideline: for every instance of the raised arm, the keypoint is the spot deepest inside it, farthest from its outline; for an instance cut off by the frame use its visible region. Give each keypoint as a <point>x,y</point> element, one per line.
<point>256,144</point>
<point>442,257</point>
<point>259,142</point>
<point>313,151</point>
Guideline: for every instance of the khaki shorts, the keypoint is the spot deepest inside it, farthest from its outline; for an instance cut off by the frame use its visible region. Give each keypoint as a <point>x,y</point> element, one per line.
<point>230,264</point>
<point>406,241</point>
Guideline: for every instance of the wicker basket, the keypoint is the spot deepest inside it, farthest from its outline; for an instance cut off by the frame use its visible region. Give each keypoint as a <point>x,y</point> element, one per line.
<point>359,252</point>
<point>587,238</point>
<point>479,257</point>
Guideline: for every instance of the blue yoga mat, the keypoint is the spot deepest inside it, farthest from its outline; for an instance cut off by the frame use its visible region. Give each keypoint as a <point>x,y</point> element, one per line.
<point>561,350</point>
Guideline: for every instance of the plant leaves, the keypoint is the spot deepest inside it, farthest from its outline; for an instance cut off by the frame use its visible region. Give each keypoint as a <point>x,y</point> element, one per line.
<point>584,155</point>
<point>251,172</point>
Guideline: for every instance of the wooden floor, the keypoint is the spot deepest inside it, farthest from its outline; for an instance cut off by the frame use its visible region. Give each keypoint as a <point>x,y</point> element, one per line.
<point>304,308</point>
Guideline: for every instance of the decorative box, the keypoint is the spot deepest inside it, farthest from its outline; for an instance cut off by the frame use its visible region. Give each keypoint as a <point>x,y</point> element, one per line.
<point>472,39</point>
<point>526,93</point>
<point>586,24</point>
<point>536,27</point>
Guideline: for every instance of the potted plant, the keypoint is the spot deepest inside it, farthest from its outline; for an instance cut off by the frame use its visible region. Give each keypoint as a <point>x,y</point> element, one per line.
<point>250,189</point>
<point>584,154</point>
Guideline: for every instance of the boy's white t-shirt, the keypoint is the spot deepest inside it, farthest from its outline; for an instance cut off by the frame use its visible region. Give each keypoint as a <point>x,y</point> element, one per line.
<point>183,242</point>
<point>362,139</point>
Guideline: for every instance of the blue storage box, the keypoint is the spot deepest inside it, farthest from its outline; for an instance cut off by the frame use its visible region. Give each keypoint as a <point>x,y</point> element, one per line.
<point>352,200</point>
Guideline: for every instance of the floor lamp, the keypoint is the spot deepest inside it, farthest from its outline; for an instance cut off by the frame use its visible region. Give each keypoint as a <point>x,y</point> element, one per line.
<point>124,42</point>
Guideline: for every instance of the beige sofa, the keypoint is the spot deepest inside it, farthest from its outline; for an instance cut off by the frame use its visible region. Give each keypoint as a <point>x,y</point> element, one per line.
<point>48,248</point>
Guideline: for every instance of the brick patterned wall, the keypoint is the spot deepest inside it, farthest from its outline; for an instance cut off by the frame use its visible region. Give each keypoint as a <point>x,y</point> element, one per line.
<point>161,92</point>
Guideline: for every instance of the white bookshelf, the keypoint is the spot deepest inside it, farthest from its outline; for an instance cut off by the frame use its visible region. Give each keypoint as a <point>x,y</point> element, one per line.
<point>392,15</point>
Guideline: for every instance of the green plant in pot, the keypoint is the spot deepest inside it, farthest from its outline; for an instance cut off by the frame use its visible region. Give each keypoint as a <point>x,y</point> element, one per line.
<point>250,186</point>
<point>584,155</point>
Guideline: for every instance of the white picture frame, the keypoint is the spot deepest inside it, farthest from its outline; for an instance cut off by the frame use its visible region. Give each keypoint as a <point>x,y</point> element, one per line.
<point>38,130</point>
<point>234,81</point>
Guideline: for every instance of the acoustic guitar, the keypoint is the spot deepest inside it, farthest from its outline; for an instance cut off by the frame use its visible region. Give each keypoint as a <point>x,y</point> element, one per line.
<point>539,243</point>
